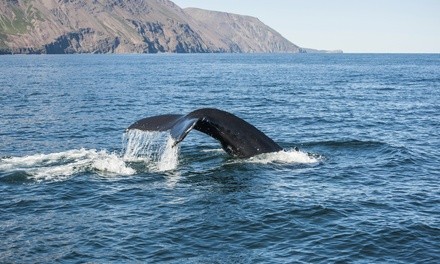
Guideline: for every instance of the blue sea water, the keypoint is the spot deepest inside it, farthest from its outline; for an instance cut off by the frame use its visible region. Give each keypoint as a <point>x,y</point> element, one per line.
<point>364,186</point>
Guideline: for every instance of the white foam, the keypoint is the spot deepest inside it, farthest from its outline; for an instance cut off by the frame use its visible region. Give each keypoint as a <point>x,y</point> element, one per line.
<point>285,157</point>
<point>219,150</point>
<point>111,163</point>
<point>62,165</point>
<point>156,149</point>
<point>39,159</point>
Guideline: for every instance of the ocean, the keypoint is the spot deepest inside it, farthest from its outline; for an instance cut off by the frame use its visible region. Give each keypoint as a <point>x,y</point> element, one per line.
<point>358,180</point>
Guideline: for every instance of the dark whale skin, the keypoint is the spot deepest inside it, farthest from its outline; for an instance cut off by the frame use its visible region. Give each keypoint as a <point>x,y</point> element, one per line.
<point>237,137</point>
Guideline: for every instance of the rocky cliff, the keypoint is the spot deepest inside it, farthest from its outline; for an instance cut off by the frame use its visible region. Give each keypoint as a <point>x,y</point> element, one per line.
<point>242,33</point>
<point>129,26</point>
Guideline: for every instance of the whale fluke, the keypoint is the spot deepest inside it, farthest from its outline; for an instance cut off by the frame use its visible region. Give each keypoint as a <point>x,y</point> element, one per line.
<point>237,137</point>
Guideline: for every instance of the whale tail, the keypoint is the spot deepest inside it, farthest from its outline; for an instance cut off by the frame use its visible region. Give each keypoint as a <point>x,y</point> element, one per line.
<point>237,137</point>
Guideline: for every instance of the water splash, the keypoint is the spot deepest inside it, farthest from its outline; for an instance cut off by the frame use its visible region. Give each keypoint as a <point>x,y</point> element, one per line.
<point>62,165</point>
<point>292,156</point>
<point>169,156</point>
<point>141,144</point>
<point>156,149</point>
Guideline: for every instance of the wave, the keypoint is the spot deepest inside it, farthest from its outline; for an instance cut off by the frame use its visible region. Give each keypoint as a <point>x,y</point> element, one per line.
<point>143,151</point>
<point>61,165</point>
<point>292,156</point>
<point>349,143</point>
<point>151,149</point>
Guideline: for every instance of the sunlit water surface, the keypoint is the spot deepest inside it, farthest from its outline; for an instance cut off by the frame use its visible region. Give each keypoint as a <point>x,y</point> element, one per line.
<point>357,181</point>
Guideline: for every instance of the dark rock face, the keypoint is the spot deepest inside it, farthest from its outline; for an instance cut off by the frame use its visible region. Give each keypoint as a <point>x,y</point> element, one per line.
<point>73,42</point>
<point>129,26</point>
<point>180,38</point>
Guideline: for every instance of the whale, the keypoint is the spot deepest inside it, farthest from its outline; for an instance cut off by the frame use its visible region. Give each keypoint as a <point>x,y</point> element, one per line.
<point>237,137</point>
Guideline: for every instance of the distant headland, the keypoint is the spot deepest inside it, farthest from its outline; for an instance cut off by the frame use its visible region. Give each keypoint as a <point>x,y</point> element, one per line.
<point>133,26</point>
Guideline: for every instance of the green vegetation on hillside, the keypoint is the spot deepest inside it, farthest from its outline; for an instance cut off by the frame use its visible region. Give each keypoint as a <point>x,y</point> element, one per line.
<point>17,25</point>
<point>21,21</point>
<point>3,45</point>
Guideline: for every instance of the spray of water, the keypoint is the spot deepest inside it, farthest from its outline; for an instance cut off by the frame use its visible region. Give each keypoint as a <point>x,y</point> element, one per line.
<point>156,149</point>
<point>292,156</point>
<point>61,165</point>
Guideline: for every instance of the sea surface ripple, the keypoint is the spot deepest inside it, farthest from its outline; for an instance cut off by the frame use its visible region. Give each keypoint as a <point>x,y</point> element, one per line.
<point>357,182</point>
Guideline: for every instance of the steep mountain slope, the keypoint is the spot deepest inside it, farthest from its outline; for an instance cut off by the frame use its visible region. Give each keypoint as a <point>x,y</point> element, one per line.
<point>242,33</point>
<point>129,26</point>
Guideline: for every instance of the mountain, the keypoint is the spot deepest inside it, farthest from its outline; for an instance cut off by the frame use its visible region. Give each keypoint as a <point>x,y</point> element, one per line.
<point>129,26</point>
<point>242,33</point>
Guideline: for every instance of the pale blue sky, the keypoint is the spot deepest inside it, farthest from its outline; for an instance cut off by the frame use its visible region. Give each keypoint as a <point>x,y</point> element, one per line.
<point>350,25</point>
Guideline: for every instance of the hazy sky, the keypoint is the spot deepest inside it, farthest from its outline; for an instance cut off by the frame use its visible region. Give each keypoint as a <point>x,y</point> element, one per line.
<point>349,25</point>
